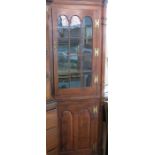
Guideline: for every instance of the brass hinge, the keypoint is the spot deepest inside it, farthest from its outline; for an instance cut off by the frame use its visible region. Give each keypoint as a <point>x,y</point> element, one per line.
<point>97,23</point>
<point>96,79</point>
<point>96,52</point>
<point>95,110</point>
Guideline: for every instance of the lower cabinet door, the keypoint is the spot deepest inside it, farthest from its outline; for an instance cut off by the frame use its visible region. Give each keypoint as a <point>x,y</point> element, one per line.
<point>78,128</point>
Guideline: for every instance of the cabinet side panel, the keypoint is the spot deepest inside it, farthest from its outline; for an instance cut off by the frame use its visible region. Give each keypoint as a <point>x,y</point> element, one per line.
<point>48,83</point>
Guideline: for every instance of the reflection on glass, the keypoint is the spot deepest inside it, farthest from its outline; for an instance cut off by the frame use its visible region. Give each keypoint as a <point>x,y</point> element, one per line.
<point>63,21</point>
<point>63,35</point>
<point>75,27</point>
<point>75,81</point>
<point>74,64</point>
<point>63,65</point>
<point>63,26</point>
<point>75,21</point>
<point>63,48</point>
<point>87,48</point>
<point>74,45</point>
<point>87,32</point>
<point>87,78</point>
<point>87,62</point>
<point>87,24</point>
<point>63,81</point>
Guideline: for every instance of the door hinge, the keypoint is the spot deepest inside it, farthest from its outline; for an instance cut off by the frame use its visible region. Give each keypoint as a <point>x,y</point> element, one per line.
<point>96,79</point>
<point>95,110</point>
<point>97,23</point>
<point>96,52</point>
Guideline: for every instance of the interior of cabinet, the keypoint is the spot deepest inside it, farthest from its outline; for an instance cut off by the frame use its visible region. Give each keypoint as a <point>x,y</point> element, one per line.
<point>75,43</point>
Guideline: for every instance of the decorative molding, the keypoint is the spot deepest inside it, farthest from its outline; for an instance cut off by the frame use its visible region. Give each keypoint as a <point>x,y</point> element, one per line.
<point>79,2</point>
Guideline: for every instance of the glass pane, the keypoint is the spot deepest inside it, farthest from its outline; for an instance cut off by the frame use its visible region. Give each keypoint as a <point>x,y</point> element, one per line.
<point>75,27</point>
<point>74,64</point>
<point>87,32</point>
<point>63,48</point>
<point>75,45</point>
<point>63,32</point>
<point>63,81</point>
<point>63,64</point>
<point>63,35</point>
<point>63,22</point>
<point>87,78</point>
<point>75,81</point>
<point>87,48</point>
<point>87,62</point>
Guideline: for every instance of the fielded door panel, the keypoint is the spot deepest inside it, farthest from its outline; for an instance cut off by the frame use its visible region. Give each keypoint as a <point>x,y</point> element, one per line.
<point>78,128</point>
<point>76,43</point>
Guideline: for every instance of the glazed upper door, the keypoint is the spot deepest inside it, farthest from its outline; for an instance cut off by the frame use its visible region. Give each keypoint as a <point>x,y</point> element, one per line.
<point>76,50</point>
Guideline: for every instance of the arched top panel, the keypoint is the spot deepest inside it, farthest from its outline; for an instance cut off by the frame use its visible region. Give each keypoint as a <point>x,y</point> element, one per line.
<point>63,21</point>
<point>87,21</point>
<point>75,21</point>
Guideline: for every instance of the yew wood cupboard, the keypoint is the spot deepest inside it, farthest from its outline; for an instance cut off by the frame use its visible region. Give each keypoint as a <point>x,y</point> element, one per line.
<point>75,39</point>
